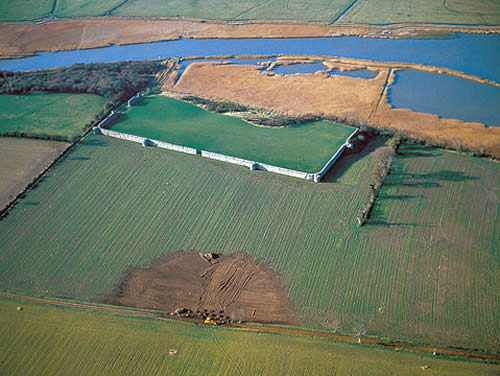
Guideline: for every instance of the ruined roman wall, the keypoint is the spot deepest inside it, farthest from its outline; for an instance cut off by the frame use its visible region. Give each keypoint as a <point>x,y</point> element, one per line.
<point>148,142</point>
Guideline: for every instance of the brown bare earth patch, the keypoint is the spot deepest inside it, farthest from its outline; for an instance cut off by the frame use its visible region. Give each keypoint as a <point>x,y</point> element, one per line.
<point>346,98</point>
<point>231,286</point>
<point>25,38</point>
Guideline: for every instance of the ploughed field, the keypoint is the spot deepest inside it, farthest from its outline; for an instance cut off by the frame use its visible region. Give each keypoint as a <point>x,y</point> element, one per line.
<point>305,147</point>
<point>23,160</point>
<point>48,115</point>
<point>73,341</point>
<point>423,269</point>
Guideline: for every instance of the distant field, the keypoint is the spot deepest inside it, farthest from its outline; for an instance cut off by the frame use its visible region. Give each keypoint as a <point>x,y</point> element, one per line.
<point>425,269</point>
<point>15,10</point>
<point>50,114</point>
<point>364,11</point>
<point>80,8</point>
<point>70,341</point>
<point>481,12</point>
<point>305,147</point>
<point>315,10</point>
<point>22,160</point>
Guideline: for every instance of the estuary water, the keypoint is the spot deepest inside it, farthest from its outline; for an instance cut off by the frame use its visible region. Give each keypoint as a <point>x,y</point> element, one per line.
<point>471,53</point>
<point>444,95</point>
<point>447,96</point>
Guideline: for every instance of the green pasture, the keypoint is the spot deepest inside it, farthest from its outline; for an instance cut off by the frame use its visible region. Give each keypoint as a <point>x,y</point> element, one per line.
<point>424,270</point>
<point>315,10</point>
<point>305,147</point>
<point>44,340</point>
<point>21,10</point>
<point>481,12</point>
<point>50,114</point>
<point>82,8</point>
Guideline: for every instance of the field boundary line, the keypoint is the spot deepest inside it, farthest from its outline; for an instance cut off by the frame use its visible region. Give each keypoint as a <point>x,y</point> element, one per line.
<point>268,329</point>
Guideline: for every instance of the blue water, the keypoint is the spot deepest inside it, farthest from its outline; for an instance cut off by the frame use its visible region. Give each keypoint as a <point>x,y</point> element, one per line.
<point>300,68</point>
<point>359,73</point>
<point>446,96</point>
<point>474,54</point>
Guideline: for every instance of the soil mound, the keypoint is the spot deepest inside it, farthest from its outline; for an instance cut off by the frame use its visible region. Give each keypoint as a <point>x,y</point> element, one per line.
<point>236,285</point>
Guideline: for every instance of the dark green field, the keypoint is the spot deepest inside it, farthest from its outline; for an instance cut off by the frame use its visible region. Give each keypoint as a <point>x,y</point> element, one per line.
<point>305,147</point>
<point>424,270</point>
<point>50,114</point>
<point>43,340</point>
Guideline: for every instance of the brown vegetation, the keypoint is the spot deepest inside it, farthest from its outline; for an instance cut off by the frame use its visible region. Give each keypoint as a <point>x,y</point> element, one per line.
<point>25,38</point>
<point>353,100</point>
<point>187,284</point>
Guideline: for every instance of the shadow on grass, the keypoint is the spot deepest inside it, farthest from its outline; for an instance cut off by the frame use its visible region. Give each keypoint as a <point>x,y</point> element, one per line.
<point>94,142</point>
<point>348,159</point>
<point>31,203</point>
<point>79,159</point>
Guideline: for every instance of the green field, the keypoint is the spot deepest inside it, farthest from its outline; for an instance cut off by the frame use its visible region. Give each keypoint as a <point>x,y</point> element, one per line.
<point>305,147</point>
<point>43,340</point>
<point>364,11</point>
<point>315,10</point>
<point>50,114</point>
<point>20,10</point>
<point>481,12</point>
<point>82,8</point>
<point>425,269</point>
<point>22,160</point>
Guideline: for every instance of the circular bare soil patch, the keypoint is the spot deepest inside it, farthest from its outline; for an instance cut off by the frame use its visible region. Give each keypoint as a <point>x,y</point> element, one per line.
<point>237,285</point>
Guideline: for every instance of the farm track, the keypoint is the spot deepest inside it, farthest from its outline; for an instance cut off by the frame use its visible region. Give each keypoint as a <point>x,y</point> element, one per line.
<point>425,349</point>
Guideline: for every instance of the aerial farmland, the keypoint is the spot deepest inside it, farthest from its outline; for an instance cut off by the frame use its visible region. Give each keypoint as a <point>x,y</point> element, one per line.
<point>266,188</point>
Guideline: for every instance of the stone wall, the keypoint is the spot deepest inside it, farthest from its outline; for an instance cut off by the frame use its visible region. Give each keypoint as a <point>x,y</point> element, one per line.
<point>148,142</point>
<point>113,115</point>
<point>335,157</point>
<point>257,165</point>
<point>136,98</point>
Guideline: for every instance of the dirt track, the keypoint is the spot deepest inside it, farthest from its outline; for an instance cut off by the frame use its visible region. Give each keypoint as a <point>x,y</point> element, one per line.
<point>25,38</point>
<point>460,353</point>
<point>243,289</point>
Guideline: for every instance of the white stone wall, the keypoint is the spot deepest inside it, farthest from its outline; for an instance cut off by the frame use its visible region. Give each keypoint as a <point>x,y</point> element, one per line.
<point>335,157</point>
<point>257,165</point>
<point>141,140</point>
<point>136,98</point>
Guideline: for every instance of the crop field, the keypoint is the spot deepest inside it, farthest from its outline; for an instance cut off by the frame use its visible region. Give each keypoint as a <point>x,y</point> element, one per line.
<point>48,114</point>
<point>22,160</point>
<point>316,10</point>
<point>305,147</point>
<point>82,8</point>
<point>424,270</point>
<point>364,11</point>
<point>43,340</point>
<point>11,10</point>
<point>427,11</point>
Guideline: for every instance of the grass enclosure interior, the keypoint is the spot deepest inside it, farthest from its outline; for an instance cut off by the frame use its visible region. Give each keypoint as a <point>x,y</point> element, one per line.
<point>73,341</point>
<point>305,147</point>
<point>425,269</point>
<point>51,114</point>
<point>22,160</point>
